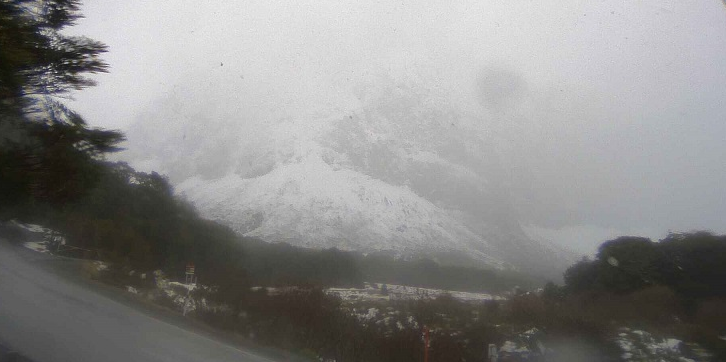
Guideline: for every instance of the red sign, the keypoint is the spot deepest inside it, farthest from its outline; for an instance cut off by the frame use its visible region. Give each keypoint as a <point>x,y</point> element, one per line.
<point>190,268</point>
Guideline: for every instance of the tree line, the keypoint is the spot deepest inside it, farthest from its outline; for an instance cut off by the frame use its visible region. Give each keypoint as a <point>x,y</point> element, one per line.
<point>691,264</point>
<point>674,286</point>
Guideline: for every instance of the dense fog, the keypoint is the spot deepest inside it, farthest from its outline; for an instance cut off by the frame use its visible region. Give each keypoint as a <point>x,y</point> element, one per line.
<point>601,118</point>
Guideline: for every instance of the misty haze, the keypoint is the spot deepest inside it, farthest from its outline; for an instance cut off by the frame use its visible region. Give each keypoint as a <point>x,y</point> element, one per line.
<point>591,116</point>
<point>364,181</point>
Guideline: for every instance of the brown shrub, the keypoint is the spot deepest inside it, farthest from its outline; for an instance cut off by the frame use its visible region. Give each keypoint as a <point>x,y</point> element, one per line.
<point>527,309</point>
<point>711,314</point>
<point>90,269</point>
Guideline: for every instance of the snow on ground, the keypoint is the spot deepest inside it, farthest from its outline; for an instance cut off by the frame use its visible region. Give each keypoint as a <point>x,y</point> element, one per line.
<point>276,290</point>
<point>189,287</point>
<point>388,317</point>
<point>39,246</point>
<point>386,292</point>
<point>524,346</point>
<point>638,345</point>
<point>369,315</point>
<point>175,291</point>
<point>180,294</point>
<point>511,347</point>
<point>32,227</point>
<point>41,242</point>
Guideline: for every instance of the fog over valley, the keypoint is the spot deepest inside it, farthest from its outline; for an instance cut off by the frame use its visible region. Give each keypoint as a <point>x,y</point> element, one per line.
<point>497,132</point>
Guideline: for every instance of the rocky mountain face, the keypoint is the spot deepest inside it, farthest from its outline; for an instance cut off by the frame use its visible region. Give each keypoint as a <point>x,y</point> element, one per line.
<point>398,170</point>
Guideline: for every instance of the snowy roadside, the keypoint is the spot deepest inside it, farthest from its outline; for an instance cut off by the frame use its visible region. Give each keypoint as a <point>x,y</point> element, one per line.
<point>41,237</point>
<point>370,305</point>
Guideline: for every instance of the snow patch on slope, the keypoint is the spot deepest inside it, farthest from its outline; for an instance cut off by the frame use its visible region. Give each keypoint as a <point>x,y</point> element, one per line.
<point>390,164</point>
<point>342,208</point>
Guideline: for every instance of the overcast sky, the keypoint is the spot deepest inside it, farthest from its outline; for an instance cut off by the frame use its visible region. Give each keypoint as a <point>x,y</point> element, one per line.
<point>615,111</point>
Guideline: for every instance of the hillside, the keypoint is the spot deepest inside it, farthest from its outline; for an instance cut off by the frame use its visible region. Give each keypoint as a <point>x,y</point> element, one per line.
<point>399,168</point>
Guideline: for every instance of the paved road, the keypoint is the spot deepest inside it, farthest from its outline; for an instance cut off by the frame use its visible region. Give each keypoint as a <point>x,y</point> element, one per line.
<point>51,318</point>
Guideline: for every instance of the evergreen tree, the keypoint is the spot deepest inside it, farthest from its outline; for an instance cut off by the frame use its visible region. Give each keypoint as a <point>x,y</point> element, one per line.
<point>47,152</point>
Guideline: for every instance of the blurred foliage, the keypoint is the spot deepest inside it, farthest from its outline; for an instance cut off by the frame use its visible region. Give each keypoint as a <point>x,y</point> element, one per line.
<point>691,264</point>
<point>675,285</point>
<point>48,155</point>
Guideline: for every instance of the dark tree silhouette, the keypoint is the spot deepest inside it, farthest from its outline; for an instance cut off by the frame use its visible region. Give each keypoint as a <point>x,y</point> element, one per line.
<point>47,151</point>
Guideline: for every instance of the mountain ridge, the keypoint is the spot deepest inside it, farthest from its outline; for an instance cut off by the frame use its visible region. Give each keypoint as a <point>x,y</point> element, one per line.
<point>400,170</point>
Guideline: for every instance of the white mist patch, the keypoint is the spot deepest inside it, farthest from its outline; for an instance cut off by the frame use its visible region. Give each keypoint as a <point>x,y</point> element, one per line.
<point>583,239</point>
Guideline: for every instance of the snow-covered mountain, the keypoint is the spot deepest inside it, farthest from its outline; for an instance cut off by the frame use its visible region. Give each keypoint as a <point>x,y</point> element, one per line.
<point>390,166</point>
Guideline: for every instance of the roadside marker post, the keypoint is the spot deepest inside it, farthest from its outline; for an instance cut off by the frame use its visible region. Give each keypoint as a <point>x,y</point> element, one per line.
<point>189,273</point>
<point>190,280</point>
